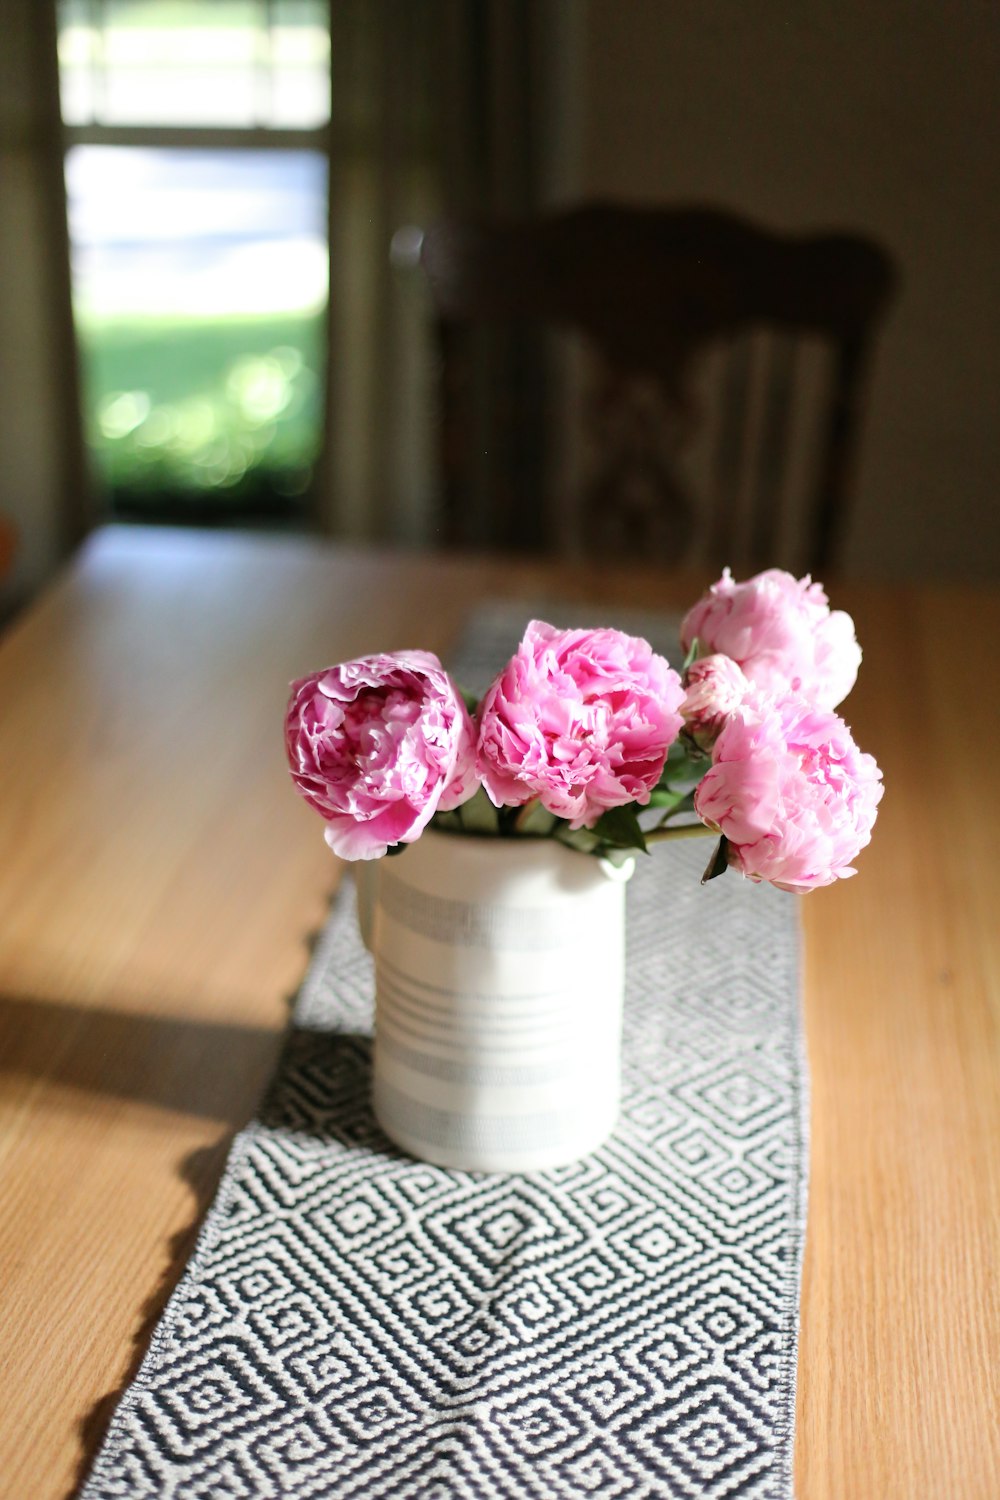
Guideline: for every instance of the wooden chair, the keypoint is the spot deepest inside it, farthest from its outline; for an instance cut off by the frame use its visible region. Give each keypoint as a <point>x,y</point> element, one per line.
<point>652,291</point>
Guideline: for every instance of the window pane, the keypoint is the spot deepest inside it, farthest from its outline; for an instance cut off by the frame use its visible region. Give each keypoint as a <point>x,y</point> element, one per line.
<point>78,62</point>
<point>200,283</point>
<point>185,62</point>
<point>180,64</point>
<point>300,63</point>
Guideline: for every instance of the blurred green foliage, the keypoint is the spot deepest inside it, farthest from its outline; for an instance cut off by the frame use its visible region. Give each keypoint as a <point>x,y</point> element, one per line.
<point>177,410</point>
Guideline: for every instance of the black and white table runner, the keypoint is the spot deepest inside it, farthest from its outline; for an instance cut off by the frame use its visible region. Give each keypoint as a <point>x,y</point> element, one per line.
<point>357,1324</point>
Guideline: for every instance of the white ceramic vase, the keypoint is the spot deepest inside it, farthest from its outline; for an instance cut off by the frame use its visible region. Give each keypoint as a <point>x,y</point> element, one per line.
<point>499,970</point>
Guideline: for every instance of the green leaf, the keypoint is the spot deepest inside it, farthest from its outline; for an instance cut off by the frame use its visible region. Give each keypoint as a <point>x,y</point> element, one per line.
<point>685,765</point>
<point>719,863</point>
<point>677,755</point>
<point>692,655</point>
<point>684,758</point>
<point>667,797</point>
<point>620,828</point>
<point>470,700</point>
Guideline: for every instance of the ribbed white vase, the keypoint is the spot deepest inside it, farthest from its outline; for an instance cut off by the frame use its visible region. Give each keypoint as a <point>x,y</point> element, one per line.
<point>499,978</point>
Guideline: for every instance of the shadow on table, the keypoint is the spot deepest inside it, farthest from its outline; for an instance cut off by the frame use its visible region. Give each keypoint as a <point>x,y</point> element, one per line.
<point>320,1088</point>
<point>210,1069</point>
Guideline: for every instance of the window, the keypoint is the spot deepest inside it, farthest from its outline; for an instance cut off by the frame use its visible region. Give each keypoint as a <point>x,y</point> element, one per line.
<point>197,182</point>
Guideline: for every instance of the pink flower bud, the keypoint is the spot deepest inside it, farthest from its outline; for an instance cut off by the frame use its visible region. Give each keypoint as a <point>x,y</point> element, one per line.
<point>716,686</point>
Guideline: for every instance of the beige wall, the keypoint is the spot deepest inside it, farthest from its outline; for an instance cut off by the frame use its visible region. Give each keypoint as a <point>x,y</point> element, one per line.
<point>878,116</point>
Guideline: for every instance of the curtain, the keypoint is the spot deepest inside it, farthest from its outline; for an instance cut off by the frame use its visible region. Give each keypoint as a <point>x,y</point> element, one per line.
<point>44,504</point>
<point>439,107</point>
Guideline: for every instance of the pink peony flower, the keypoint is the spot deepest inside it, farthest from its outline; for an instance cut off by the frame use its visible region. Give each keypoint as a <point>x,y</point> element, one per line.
<point>791,791</point>
<point>782,633</point>
<point>378,746</point>
<point>581,719</point>
<point>715,686</point>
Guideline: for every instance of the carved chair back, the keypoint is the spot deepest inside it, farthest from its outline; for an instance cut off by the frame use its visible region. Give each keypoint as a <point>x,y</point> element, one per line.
<point>656,295</point>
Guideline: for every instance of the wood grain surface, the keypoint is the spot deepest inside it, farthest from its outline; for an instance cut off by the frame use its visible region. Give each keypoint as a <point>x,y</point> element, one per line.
<point>159,882</point>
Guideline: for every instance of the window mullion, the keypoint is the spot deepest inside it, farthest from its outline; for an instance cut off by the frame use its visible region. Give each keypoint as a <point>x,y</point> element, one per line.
<point>202,137</point>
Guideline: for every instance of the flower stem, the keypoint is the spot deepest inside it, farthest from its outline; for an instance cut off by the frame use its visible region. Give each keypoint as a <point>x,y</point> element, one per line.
<point>686,831</point>
<point>523,813</point>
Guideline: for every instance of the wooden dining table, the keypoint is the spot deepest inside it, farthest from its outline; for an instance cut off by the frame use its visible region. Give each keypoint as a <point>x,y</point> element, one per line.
<point>160,884</point>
